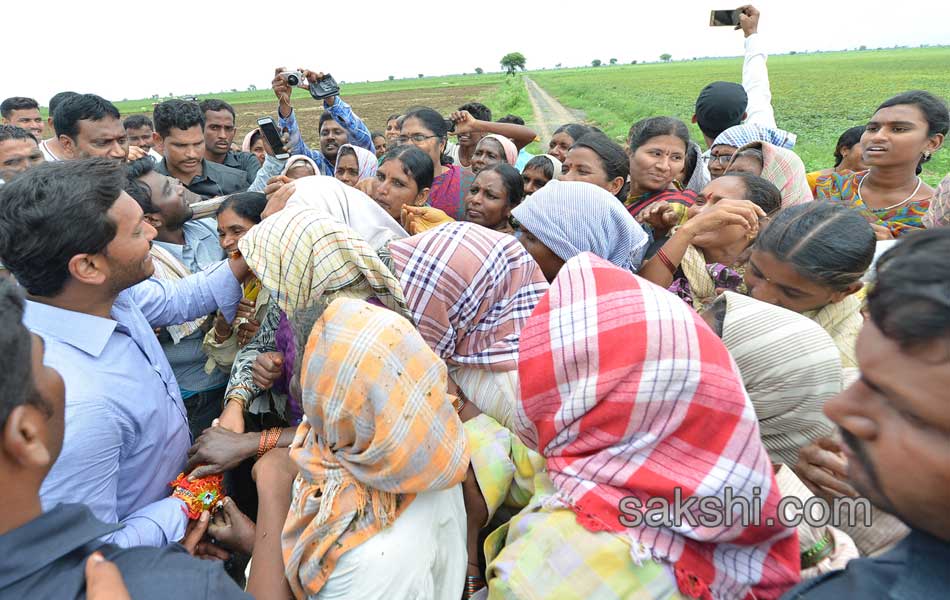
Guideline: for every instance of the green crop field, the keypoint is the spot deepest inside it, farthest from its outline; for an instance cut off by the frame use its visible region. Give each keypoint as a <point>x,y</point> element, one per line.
<point>817,96</point>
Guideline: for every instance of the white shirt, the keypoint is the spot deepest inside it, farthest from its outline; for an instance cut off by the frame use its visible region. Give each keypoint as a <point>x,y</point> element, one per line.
<point>47,153</point>
<point>755,80</point>
<point>422,556</point>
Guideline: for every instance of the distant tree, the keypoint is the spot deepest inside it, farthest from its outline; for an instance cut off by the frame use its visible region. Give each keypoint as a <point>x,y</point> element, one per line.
<point>793,52</point>
<point>513,61</point>
<point>613,61</point>
<point>479,70</point>
<point>557,66</point>
<point>595,63</point>
<point>863,47</point>
<point>154,96</point>
<point>421,75</point>
<point>252,88</point>
<point>665,57</point>
<point>234,90</point>
<point>633,62</point>
<point>391,77</point>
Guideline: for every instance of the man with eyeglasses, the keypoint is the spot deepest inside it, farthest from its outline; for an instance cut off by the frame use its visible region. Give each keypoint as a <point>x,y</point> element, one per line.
<point>339,125</point>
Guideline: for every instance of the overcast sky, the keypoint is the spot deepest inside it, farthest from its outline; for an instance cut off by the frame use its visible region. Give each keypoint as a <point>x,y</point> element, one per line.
<point>122,49</point>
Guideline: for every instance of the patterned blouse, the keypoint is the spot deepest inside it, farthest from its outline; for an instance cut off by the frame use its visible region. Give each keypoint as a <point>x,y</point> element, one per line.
<point>842,188</point>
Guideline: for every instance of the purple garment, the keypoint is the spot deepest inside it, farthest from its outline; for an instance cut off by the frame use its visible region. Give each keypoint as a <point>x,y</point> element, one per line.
<point>723,277</point>
<point>285,342</point>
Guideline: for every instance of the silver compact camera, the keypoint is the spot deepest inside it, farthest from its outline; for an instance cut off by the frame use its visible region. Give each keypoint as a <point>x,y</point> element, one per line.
<point>295,78</point>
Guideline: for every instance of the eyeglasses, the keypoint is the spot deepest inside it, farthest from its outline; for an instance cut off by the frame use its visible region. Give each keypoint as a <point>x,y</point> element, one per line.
<point>722,159</point>
<point>416,138</point>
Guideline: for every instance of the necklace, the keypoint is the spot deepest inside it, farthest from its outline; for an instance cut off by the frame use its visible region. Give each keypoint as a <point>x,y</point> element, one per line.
<point>893,206</point>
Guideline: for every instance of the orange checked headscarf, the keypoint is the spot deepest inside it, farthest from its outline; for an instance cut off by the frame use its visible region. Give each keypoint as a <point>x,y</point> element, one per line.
<point>379,429</point>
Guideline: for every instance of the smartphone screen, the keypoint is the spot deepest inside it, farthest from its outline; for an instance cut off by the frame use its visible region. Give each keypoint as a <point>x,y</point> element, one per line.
<point>272,135</point>
<point>723,18</point>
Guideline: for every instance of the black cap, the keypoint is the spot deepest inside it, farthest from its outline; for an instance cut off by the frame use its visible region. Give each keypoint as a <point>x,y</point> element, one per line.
<point>720,106</point>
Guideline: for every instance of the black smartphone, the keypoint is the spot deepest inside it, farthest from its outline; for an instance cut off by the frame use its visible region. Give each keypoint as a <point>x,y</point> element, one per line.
<point>724,18</point>
<point>450,125</point>
<point>324,88</point>
<point>272,135</point>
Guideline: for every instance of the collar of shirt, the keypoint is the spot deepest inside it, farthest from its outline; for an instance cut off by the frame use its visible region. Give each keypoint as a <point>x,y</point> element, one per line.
<point>201,248</point>
<point>54,534</point>
<point>85,332</point>
<point>925,571</point>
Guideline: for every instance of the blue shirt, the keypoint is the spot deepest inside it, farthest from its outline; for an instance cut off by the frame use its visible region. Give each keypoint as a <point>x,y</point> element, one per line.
<point>126,432</point>
<point>915,568</point>
<point>357,134</point>
<point>46,558</point>
<point>201,250</point>
<point>523,157</point>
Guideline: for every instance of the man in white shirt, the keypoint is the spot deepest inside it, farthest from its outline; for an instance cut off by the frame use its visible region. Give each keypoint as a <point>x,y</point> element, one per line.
<point>52,150</point>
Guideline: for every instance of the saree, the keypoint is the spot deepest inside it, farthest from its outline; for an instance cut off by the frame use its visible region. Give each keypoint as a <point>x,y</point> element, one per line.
<point>449,189</point>
<point>843,189</point>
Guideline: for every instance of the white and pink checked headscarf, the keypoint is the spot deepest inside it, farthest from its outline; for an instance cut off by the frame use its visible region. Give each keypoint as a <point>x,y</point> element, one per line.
<point>470,289</point>
<point>627,392</point>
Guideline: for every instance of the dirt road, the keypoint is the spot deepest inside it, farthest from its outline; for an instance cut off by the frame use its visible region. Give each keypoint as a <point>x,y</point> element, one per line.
<point>549,114</point>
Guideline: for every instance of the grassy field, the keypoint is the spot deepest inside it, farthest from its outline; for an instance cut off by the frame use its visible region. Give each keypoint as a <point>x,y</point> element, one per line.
<point>817,96</point>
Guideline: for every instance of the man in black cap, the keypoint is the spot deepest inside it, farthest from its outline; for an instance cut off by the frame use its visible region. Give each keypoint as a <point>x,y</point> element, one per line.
<point>723,104</point>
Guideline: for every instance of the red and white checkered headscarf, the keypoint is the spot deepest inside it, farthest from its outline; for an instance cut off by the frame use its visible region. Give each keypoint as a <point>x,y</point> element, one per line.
<point>626,392</point>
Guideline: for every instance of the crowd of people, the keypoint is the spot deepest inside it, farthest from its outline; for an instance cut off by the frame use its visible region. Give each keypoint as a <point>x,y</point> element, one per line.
<point>425,363</point>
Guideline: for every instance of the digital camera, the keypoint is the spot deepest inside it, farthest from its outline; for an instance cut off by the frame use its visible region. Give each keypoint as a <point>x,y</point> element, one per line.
<point>295,78</point>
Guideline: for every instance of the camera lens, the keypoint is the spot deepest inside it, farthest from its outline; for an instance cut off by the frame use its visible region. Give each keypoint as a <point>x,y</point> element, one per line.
<point>292,79</point>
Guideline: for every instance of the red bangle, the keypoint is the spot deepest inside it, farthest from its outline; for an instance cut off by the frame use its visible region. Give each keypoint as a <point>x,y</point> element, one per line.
<point>666,261</point>
<point>269,439</point>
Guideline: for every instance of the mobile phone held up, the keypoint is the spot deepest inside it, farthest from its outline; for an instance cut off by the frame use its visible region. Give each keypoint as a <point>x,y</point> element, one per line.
<point>724,18</point>
<point>324,88</point>
<point>272,135</point>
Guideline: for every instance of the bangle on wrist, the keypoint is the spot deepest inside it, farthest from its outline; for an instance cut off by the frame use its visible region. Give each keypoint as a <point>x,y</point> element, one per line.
<point>269,439</point>
<point>240,401</point>
<point>663,258</point>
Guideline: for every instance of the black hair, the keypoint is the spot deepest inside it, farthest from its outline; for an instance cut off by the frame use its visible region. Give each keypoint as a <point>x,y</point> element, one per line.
<point>255,135</point>
<point>53,212</point>
<point>541,163</point>
<point>514,119</point>
<point>58,99</point>
<point>180,114</point>
<point>934,109</point>
<point>139,191</point>
<point>327,116</point>
<point>17,103</point>
<point>415,164</point>
<point>214,105</point>
<point>432,121</point>
<point>646,129</point>
<point>13,132</point>
<point>16,346</point>
<point>247,205</point>
<point>137,122</point>
<point>395,116</point>
<point>827,243</point>
<point>376,134</point>
<point>752,152</point>
<point>511,179</point>
<point>848,140</point>
<point>760,191</point>
<point>347,150</point>
<point>81,107</point>
<point>612,157</point>
<point>910,298</point>
<point>575,130</point>
<point>478,110</point>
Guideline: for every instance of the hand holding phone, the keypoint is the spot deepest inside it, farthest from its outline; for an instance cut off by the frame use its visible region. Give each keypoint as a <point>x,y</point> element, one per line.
<point>272,137</point>
<point>724,18</point>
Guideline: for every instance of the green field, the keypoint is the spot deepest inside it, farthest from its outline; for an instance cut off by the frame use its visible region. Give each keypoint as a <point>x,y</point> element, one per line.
<point>816,96</point>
